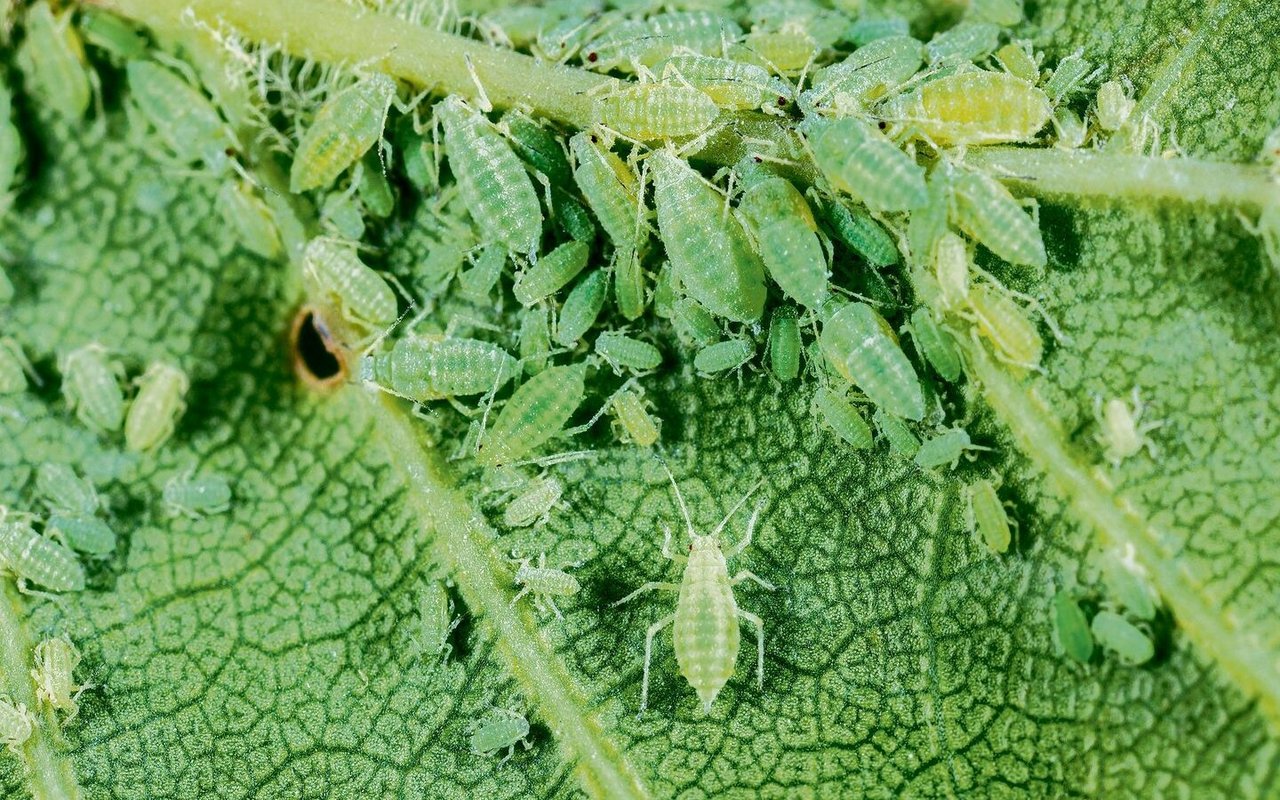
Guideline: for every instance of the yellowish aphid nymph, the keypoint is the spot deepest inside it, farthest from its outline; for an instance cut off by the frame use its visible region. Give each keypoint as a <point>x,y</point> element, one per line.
<point>161,399</point>
<point>56,661</point>
<point>544,583</point>
<point>16,724</point>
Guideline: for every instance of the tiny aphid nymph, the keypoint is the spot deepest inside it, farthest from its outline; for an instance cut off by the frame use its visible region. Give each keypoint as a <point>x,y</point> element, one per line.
<point>62,489</point>
<point>91,386</point>
<point>543,583</point>
<point>197,496</point>
<point>56,661</point>
<point>784,344</point>
<point>533,414</point>
<point>161,400</point>
<point>840,415</point>
<point>860,346</point>
<point>16,724</point>
<point>1127,584</point>
<point>345,127</point>
<point>1121,429</point>
<point>1071,628</point>
<point>633,420</point>
<point>902,440</point>
<point>551,273</point>
<point>1119,635</point>
<point>532,506</point>
<point>945,448</point>
<point>500,729</point>
<point>987,517</point>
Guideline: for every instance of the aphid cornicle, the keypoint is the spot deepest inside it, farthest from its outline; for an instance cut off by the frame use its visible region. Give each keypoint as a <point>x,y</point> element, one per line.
<point>17,723</point>
<point>500,729</point>
<point>784,344</point>
<point>53,61</point>
<point>495,187</point>
<point>610,188</point>
<point>902,440</point>
<point>945,448</point>
<point>1071,628</point>
<point>723,356</point>
<point>987,517</point>
<point>986,210</point>
<point>82,533</point>
<point>182,116</point>
<point>581,308</point>
<point>533,414</point>
<point>363,296</point>
<point>551,273</point>
<point>708,250</point>
<point>533,504</point>
<point>786,237</point>
<point>631,417</point>
<point>422,369</point>
<point>56,661</point>
<point>197,496</point>
<point>161,399</point>
<point>653,111</point>
<point>624,352</point>
<point>862,161</point>
<point>1003,322</point>
<point>544,583</point>
<point>1126,640</point>
<point>345,127</point>
<point>859,345</point>
<point>91,387</point>
<point>706,634</point>
<point>972,108</point>
<point>35,558</point>
<point>841,417</point>
<point>62,489</point>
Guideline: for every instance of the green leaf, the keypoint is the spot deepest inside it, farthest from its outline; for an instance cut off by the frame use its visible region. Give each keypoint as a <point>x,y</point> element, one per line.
<point>274,651</point>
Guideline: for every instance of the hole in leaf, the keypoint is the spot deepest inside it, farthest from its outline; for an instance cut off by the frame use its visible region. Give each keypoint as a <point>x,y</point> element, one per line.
<point>316,356</point>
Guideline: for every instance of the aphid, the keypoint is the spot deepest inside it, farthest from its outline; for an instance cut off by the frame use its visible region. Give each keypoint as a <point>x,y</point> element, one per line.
<point>650,40</point>
<point>1005,324</point>
<point>1115,633</point>
<point>869,28</point>
<point>160,401</point>
<point>538,146</point>
<point>346,125</point>
<point>786,238</point>
<point>562,40</point>
<point>859,231</point>
<point>534,337</point>
<point>868,74</point>
<point>182,116</point>
<point>693,323</point>
<point>723,356</point>
<point>706,633</point>
<point>551,273</point>
<point>988,517</point>
<point>860,160</point>
<point>1126,583</point>
<point>1071,627</point>
<point>376,195</point>
<point>967,41</point>
<point>363,296</point>
<point>113,34</point>
<point>494,185</point>
<point>83,533</point>
<point>652,111</point>
<point>841,417</point>
<point>1070,129</point>
<point>421,369</point>
<point>1070,75</point>
<point>53,62</point>
<point>730,84</point>
<point>196,497</point>
<point>341,214</point>
<point>970,108</point>
<point>435,621</point>
<point>581,308</point>
<point>1000,12</point>
<point>17,724</point>
<point>544,583</point>
<point>476,283</point>
<point>6,286</point>
<point>900,437</point>
<point>985,210</point>
<point>56,662</point>
<point>945,448</point>
<point>572,217</point>
<point>936,345</point>
<point>784,344</point>
<point>610,188</point>
<point>35,558</point>
<point>1114,105</point>
<point>1121,431</point>
<point>623,352</point>
<point>63,490</point>
<point>951,263</point>
<point>250,219</point>
<point>629,291</point>
<point>1018,61</point>
<point>500,728</point>
<point>928,223</point>
<point>91,387</point>
<point>787,52</point>
<point>534,413</point>
<point>707,248</point>
<point>635,422</point>
<point>533,504</point>
<point>859,345</point>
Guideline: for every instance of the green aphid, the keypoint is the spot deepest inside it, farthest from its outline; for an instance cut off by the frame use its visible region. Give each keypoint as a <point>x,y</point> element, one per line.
<point>1069,77</point>
<point>535,412</point>
<point>582,308</point>
<point>1114,105</point>
<point>612,191</point>
<point>859,231</point>
<point>435,622</point>
<point>633,419</point>
<point>649,41</point>
<point>860,346</point>
<point>708,250</point>
<point>494,184</point>
<point>1127,585</point>
<point>184,118</point>
<point>1069,129</point>
<point>14,367</point>
<point>342,214</point>
<point>476,283</point>
<point>197,496</point>
<point>936,344</point>
<point>1126,640</point>
<point>630,292</point>
<point>840,415</point>
<point>6,286</point>
<point>422,369</point>
<point>862,161</point>
<point>1019,61</point>
<point>872,27</point>
<point>533,504</point>
<point>62,489</point>
<point>786,237</point>
<point>784,344</point>
<point>730,84</point>
<point>345,127</point>
<point>572,217</point>
<point>544,583</point>
<point>83,533</point>
<point>902,440</point>
<point>418,155</point>
<point>867,75</point>
<point>53,63</point>
<point>951,264</point>
<point>1005,324</point>
<point>337,272</point>
<point>160,401</point>
<point>723,356</point>
<point>787,52</point>
<point>551,273</point>
<point>537,146</point>
<point>1005,13</point>
<point>55,664</point>
<point>562,40</point>
<point>113,34</point>
<point>987,517</point>
<point>376,195</point>
<point>17,723</point>
<point>250,219</point>
<point>91,387</point>
<point>501,729</point>
<point>534,338</point>
<point>34,558</point>
<point>984,209</point>
<point>928,223</point>
<point>1071,627</point>
<point>945,448</point>
<point>972,108</point>
<point>654,111</point>
<point>622,352</point>
<point>693,323</point>
<point>966,42</point>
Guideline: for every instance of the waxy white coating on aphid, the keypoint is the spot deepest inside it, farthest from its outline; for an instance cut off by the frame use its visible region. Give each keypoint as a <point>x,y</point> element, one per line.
<point>91,387</point>
<point>82,533</point>
<point>708,250</point>
<point>862,161</point>
<point>860,346</point>
<point>623,352</point>
<point>610,188</point>
<point>500,729</point>
<point>841,417</point>
<point>56,661</point>
<point>495,187</point>
<point>706,634</point>
<point>344,128</point>
<point>533,414</point>
<point>936,344</point>
<point>784,344</point>
<point>582,308</point>
<point>652,111</point>
<point>730,84</point>
<point>967,41</point>
<point>17,723</point>
<point>902,440</point>
<point>723,356</point>
<point>35,558</point>
<point>53,62</point>
<point>1071,628</point>
<point>1126,583</point>
<point>945,448</point>
<point>363,296</point>
<point>1121,431</point>
<point>422,369</point>
<point>551,273</point>
<point>533,504</point>
<point>544,583</point>
<point>196,497</point>
<point>1115,633</point>
<point>987,516</point>
<point>786,237</point>
<point>984,209</point>
<point>633,419</point>
<point>868,74</point>
<point>247,215</point>
<point>161,400</point>
<point>1003,322</point>
<point>972,108</point>
<point>62,489</point>
<point>182,116</point>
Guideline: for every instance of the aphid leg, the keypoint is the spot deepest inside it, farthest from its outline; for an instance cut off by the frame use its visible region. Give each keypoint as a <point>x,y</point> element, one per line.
<point>754,620</point>
<point>748,575</point>
<point>551,602</point>
<point>667,551</point>
<point>647,587</point>
<point>751,525</point>
<point>653,631</point>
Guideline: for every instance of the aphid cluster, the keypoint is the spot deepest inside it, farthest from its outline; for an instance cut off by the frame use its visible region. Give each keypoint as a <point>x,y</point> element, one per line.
<point>1122,623</point>
<point>92,388</point>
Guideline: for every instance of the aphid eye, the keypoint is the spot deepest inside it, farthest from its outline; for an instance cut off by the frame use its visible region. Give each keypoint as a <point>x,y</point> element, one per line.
<point>759,160</point>
<point>782,101</point>
<point>690,547</point>
<point>883,125</point>
<point>593,57</point>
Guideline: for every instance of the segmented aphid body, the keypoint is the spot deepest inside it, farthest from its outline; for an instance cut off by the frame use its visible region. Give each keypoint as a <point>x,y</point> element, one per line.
<point>533,414</point>
<point>860,160</point>
<point>1006,13</point>
<point>534,337</point>
<point>83,533</point>
<point>91,387</point>
<point>53,62</point>
<point>902,440</point>
<point>936,344</point>
<point>1069,77</point>
<point>551,273</point>
<point>533,504</point>
<point>859,231</point>
<point>984,209</point>
<point>1071,628</point>
<point>653,111</point>
<point>967,41</point>
<point>376,195</point>
<point>951,263</point>
<point>500,729</point>
<point>860,346</point>
<point>422,369</point>
<point>1004,323</point>
<point>435,621</point>
<point>840,415</point>
<point>987,516</point>
<point>730,84</point>
<point>786,238</point>
<point>786,52</point>
<point>476,283</point>
<point>610,188</point>
<point>723,356</point>
<point>495,187</point>
<point>538,146</point>
<point>572,217</point>
<point>1126,583</point>
<point>582,308</point>
<point>342,215</point>
<point>1114,105</point>
<point>1121,431</point>
<point>928,223</point>
<point>197,496</point>
<point>972,108</point>
<point>869,28</point>
<point>1018,60</point>
<point>113,34</point>
<point>1070,130</point>
<point>945,448</point>
<point>56,662</point>
<point>784,344</point>
<point>868,74</point>
<point>693,323</point>
<point>160,401</point>
<point>35,558</point>
<point>335,269</point>
<point>63,490</point>
<point>345,127</point>
<point>1119,635</point>
<point>181,115</point>
<point>624,352</point>
<point>650,40</point>
<point>708,250</point>
<point>629,292</point>
<point>249,217</point>
<point>17,723</point>
<point>633,419</point>
<point>544,583</point>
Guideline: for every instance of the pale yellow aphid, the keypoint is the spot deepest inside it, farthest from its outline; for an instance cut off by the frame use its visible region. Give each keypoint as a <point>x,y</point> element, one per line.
<point>161,399</point>
<point>1004,323</point>
<point>706,634</point>
<point>337,271</point>
<point>787,52</point>
<point>951,267</point>
<point>16,724</point>
<point>1121,431</point>
<point>1114,105</point>
<point>972,108</point>
<point>632,419</point>
<point>56,661</point>
<point>652,111</point>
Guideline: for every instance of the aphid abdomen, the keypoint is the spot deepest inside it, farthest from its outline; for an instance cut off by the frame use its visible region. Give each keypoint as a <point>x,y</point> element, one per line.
<point>551,272</point>
<point>936,344</point>
<point>91,388</point>
<point>786,239</point>
<point>784,344</point>
<point>610,188</point>
<point>705,635</point>
<point>723,356</point>
<point>859,345</point>
<point>153,413</point>
<point>651,111</point>
<point>730,84</point>
<point>337,270</point>
<point>1116,633</point>
<point>842,417</point>
<point>628,408</point>
<point>973,108</point>
<point>421,369</point>
<point>860,231</point>
<point>346,126</point>
<point>53,61</point>
<point>863,162</point>
<point>1005,324</point>
<point>984,209</point>
<point>533,414</point>
<point>84,533</point>
<point>1072,628</point>
<point>868,73</point>
<point>35,558</point>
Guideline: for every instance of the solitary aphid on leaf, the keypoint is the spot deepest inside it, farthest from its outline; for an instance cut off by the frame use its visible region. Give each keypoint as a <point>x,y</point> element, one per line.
<point>197,496</point>
<point>1121,431</point>
<point>633,419</point>
<point>544,583</point>
<point>987,516</point>
<point>1127,641</point>
<point>945,448</point>
<point>1071,627</point>
<point>500,729</point>
<point>533,504</point>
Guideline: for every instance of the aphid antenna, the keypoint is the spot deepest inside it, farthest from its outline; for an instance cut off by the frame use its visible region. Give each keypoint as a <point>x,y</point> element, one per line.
<point>482,97</point>
<point>684,509</point>
<point>555,458</point>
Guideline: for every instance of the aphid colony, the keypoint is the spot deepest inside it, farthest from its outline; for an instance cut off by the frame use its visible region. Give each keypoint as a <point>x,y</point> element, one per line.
<point>1123,621</point>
